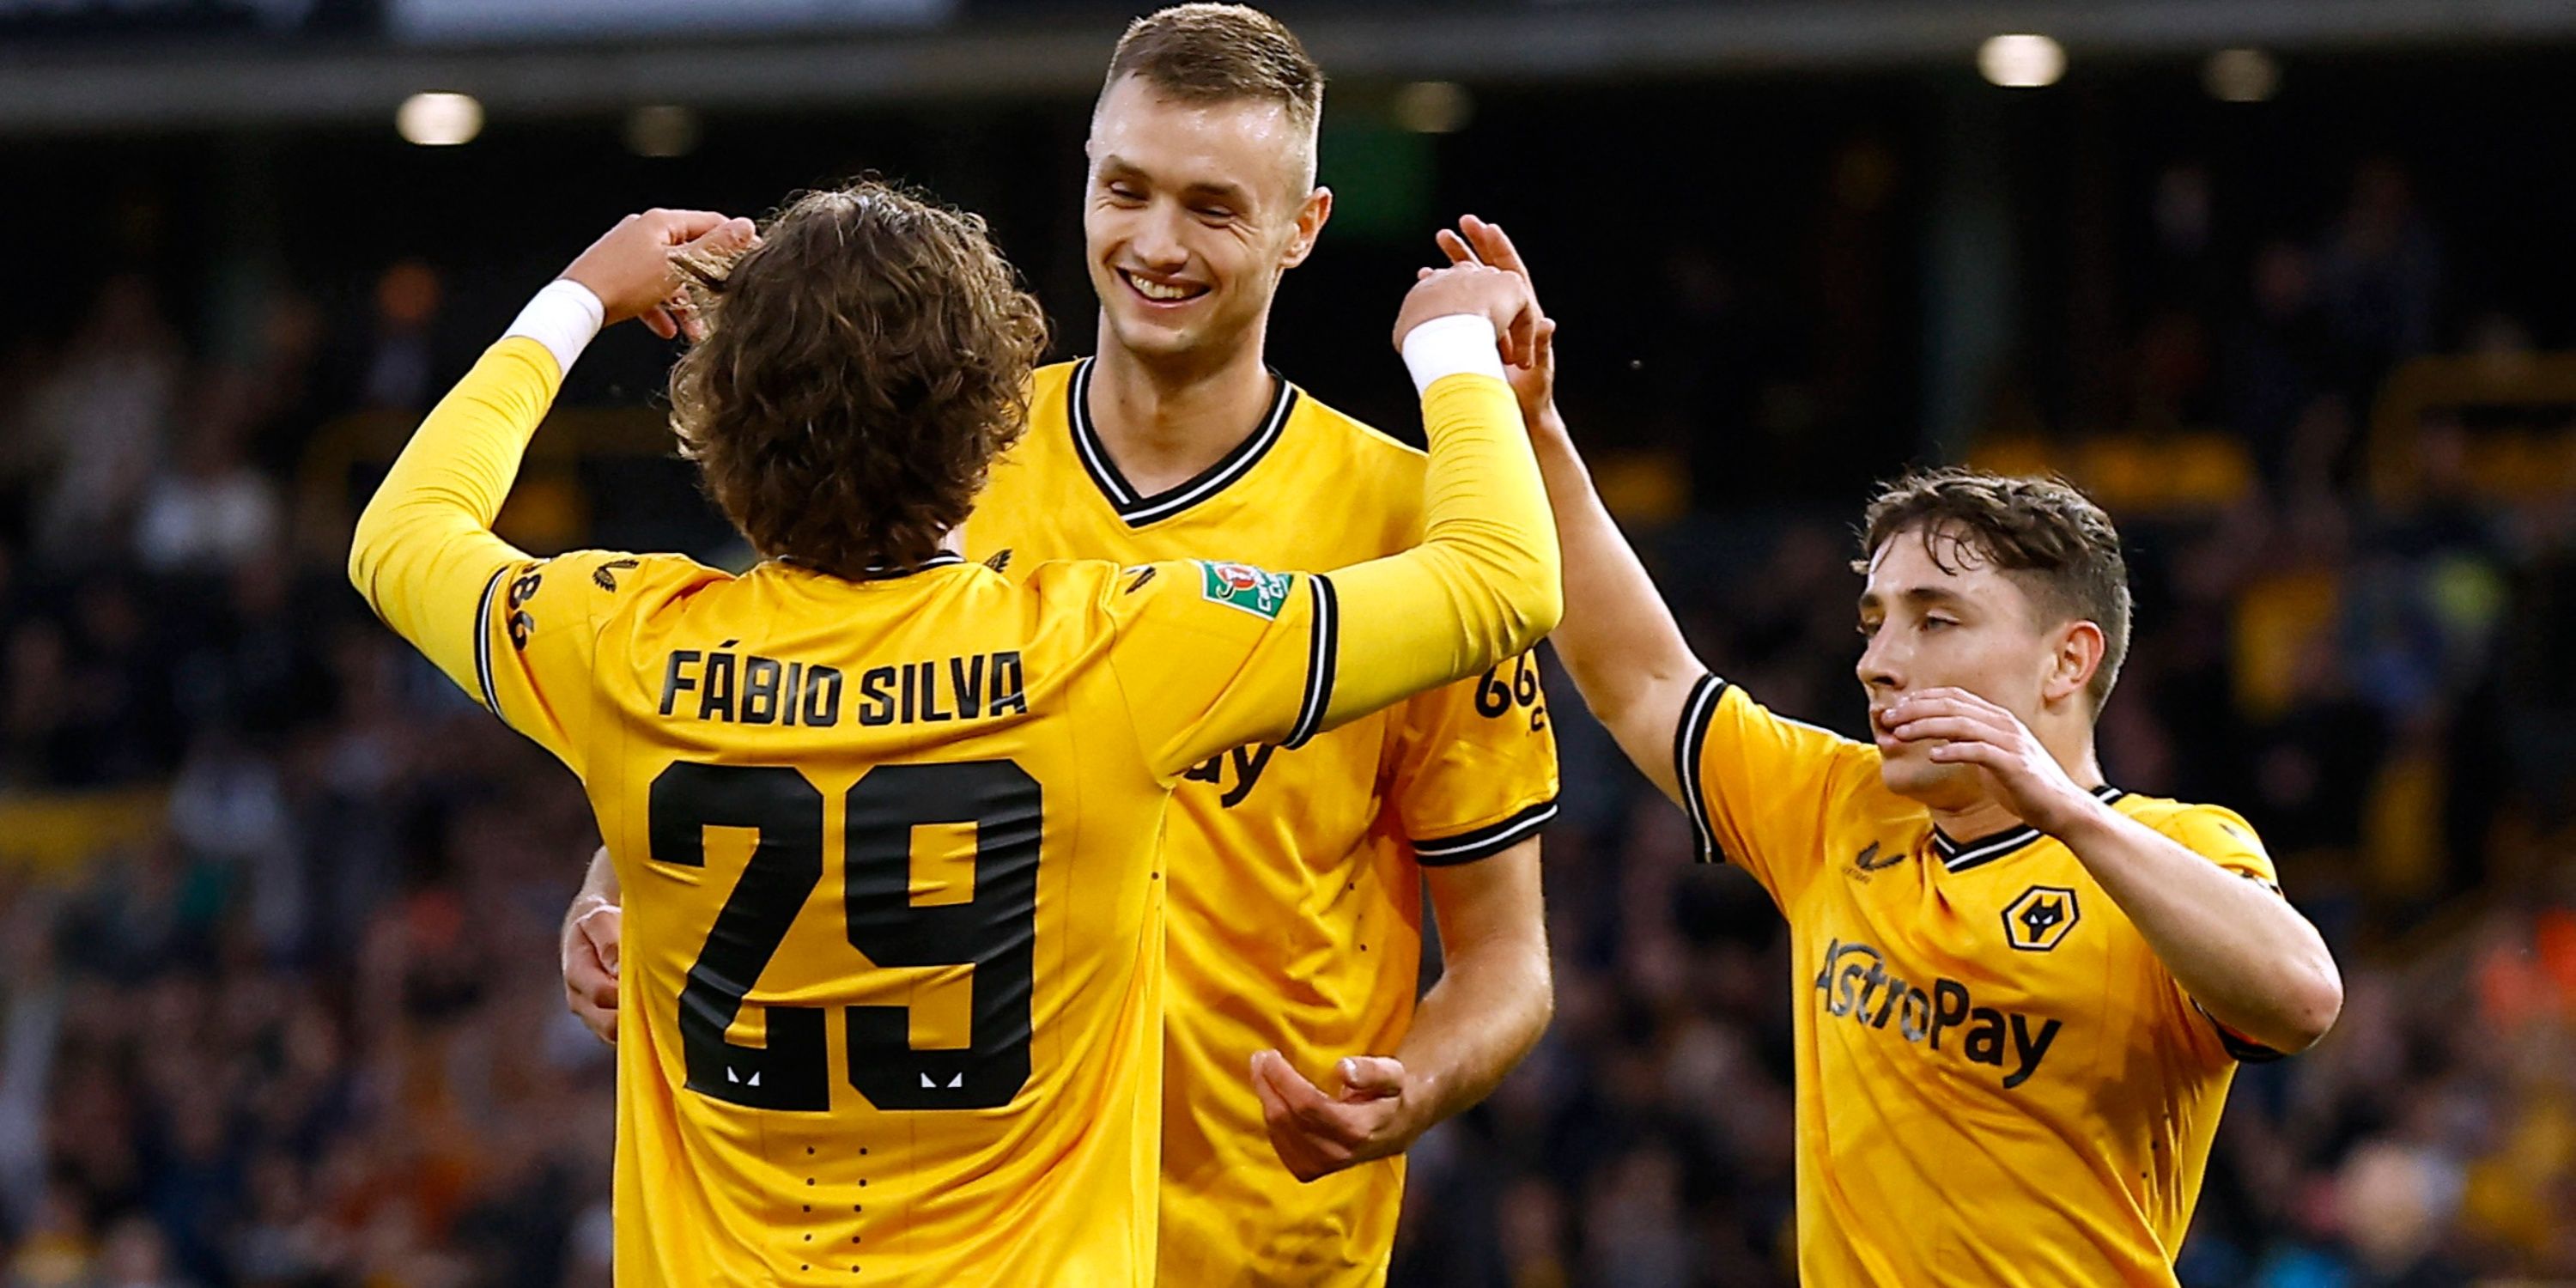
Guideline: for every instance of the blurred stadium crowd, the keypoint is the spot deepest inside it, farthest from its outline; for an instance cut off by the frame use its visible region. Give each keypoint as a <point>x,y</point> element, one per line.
<point>280,1009</point>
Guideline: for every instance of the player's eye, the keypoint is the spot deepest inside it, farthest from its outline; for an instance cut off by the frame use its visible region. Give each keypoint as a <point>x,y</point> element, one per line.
<point>1936,623</point>
<point>1214,214</point>
<point>1868,630</point>
<point>1125,192</point>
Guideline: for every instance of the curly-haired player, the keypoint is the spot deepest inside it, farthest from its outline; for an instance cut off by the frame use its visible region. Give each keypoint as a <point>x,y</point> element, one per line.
<point>888,824</point>
<point>1285,1122</point>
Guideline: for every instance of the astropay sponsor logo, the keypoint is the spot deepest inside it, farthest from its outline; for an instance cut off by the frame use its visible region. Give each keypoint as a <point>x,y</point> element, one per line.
<point>1856,985</point>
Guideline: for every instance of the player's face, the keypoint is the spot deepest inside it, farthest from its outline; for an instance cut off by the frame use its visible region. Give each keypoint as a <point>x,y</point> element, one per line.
<point>1193,210</point>
<point>1965,626</point>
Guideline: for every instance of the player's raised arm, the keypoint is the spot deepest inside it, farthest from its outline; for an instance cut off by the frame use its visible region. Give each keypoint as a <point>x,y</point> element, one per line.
<point>1618,640</point>
<point>424,554</point>
<point>1487,581</point>
<point>1749,780</point>
<point>1483,586</point>
<point>1623,648</point>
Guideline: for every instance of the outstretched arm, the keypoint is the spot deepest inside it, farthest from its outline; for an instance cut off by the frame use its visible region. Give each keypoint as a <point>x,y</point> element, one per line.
<point>1618,640</point>
<point>1486,582</point>
<point>1483,585</point>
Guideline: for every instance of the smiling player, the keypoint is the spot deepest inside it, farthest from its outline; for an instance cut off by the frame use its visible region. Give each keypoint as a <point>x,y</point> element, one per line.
<point>892,825</point>
<point>2021,991</point>
<point>1296,919</point>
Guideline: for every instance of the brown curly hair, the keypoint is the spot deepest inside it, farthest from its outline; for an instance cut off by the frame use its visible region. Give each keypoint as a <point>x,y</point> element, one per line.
<point>862,367</point>
<point>2052,537</point>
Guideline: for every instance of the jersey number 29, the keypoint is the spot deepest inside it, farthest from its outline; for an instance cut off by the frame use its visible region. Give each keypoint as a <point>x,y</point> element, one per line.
<point>995,931</point>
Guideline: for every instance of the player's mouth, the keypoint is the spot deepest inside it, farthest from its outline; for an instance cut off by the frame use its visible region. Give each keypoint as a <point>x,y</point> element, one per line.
<point>1158,292</point>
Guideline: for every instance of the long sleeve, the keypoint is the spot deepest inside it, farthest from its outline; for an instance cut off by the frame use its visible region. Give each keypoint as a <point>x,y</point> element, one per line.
<point>424,556</point>
<point>1486,582</point>
<point>1216,655</point>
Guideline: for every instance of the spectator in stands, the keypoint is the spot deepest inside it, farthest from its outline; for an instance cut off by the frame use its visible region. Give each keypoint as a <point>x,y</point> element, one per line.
<point>209,512</point>
<point>99,418</point>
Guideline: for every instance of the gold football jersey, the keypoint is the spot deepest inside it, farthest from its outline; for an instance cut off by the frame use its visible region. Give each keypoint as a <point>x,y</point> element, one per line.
<point>1998,1083</point>
<point>890,849</point>
<point>1293,889</point>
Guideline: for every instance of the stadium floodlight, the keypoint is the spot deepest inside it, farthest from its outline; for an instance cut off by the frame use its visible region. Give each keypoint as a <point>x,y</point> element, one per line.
<point>661,130</point>
<point>2241,76</point>
<point>2021,60</point>
<point>438,120</point>
<point>1433,107</point>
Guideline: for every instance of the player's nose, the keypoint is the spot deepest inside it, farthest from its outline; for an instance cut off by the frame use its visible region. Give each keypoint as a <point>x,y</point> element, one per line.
<point>1157,243</point>
<point>1878,667</point>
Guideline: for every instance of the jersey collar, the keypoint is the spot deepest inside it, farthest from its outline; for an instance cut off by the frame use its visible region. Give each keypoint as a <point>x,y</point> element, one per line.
<point>1139,510</point>
<point>887,572</point>
<point>1959,856</point>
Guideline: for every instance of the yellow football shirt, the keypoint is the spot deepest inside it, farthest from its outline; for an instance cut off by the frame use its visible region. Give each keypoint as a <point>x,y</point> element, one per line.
<point>890,849</point>
<point>1294,894</point>
<point>1998,1084</point>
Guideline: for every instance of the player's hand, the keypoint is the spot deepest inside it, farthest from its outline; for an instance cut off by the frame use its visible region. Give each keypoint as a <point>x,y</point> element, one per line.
<point>2019,770</point>
<point>629,268</point>
<point>1534,377</point>
<point>1500,297</point>
<point>1317,1135</point>
<point>590,937</point>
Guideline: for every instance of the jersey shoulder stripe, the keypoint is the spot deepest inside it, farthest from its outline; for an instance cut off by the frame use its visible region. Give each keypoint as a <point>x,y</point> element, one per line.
<point>1321,654</point>
<point>2241,1049</point>
<point>483,642</point>
<point>1697,711</point>
<point>1487,841</point>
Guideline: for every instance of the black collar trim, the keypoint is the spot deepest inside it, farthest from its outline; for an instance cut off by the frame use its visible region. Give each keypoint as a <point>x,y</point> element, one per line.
<point>1959,856</point>
<point>1141,510</point>
<point>889,572</point>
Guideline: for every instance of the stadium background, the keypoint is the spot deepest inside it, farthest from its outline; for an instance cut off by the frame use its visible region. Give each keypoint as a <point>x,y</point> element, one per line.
<point>279,1004</point>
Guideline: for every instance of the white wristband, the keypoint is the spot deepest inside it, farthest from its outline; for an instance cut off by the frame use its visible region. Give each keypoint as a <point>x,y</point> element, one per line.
<point>563,317</point>
<point>1449,345</point>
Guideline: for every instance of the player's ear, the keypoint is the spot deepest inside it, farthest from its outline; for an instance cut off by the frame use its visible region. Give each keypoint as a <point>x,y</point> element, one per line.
<point>2077,655</point>
<point>1311,215</point>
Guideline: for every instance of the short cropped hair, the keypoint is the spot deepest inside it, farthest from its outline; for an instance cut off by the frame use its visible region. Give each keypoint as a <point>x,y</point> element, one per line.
<point>1221,53</point>
<point>862,368</point>
<point>2047,534</point>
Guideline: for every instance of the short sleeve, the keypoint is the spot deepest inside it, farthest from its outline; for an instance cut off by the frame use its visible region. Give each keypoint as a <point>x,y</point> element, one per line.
<point>1757,785</point>
<point>1211,655</point>
<point>537,637</point>
<point>1475,765</point>
<point>2223,837</point>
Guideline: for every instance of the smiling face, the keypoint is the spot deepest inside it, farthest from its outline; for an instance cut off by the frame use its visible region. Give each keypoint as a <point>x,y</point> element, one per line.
<point>1959,621</point>
<point>1194,208</point>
